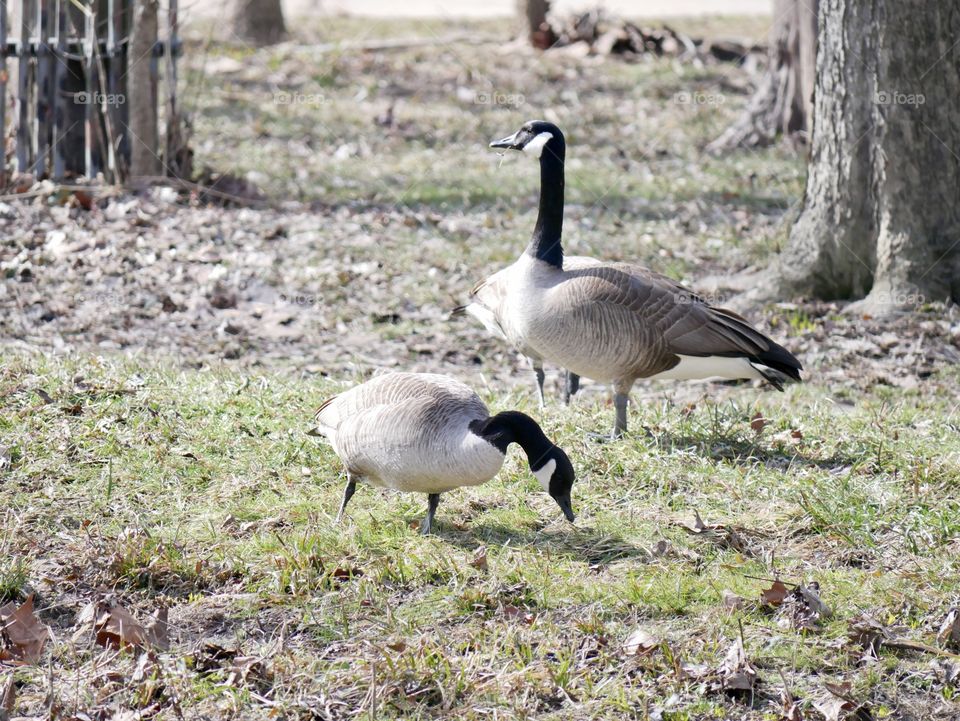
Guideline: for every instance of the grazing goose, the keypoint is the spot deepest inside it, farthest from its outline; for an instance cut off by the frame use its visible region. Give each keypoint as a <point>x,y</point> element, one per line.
<point>486,305</point>
<point>617,322</point>
<point>428,433</point>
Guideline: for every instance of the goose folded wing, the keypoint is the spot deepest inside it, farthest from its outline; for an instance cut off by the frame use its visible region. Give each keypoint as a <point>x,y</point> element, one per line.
<point>663,312</point>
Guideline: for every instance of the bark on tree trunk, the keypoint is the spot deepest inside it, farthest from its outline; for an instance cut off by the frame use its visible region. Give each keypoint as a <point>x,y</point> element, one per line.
<point>539,31</point>
<point>144,147</point>
<point>259,21</point>
<point>783,100</point>
<point>882,203</point>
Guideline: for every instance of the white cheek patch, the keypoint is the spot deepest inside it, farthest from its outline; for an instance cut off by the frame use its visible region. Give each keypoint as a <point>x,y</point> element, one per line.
<point>535,146</point>
<point>546,473</point>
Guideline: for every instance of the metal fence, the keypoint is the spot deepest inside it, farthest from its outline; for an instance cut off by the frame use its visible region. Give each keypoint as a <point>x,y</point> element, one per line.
<point>86,88</point>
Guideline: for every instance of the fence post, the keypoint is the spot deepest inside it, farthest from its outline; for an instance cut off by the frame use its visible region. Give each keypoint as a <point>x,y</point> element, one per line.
<point>45,88</point>
<point>142,84</point>
<point>24,136</point>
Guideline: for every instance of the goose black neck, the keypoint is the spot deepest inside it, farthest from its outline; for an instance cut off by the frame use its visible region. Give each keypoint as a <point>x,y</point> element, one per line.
<point>514,427</point>
<point>545,243</point>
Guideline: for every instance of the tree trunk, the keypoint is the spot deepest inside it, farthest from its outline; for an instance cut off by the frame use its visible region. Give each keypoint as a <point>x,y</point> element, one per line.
<point>539,31</point>
<point>783,100</point>
<point>882,204</point>
<point>142,92</point>
<point>258,21</point>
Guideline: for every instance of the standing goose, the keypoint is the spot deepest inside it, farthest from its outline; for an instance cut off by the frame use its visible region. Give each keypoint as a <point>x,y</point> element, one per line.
<point>487,306</point>
<point>428,433</point>
<point>618,322</point>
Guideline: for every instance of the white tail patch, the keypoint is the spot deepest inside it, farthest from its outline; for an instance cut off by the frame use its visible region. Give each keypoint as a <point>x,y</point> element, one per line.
<point>712,366</point>
<point>545,474</point>
<point>488,318</point>
<point>535,146</point>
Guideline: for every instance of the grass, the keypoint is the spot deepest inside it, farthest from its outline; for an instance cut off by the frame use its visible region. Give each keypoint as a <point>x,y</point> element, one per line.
<point>199,491</point>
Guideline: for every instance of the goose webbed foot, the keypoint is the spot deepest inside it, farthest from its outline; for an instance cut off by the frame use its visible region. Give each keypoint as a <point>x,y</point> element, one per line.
<point>433,500</point>
<point>348,492</point>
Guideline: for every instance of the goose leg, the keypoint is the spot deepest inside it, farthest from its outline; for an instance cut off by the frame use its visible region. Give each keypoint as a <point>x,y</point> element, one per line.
<point>620,401</point>
<point>433,500</point>
<point>348,492</point>
<point>571,386</point>
<point>538,370</point>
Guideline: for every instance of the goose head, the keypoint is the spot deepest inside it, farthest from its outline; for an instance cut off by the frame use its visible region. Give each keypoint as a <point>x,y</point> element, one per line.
<point>533,137</point>
<point>556,475</point>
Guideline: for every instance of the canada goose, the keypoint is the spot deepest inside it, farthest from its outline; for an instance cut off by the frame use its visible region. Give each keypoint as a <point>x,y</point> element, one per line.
<point>487,305</point>
<point>618,322</point>
<point>428,433</point>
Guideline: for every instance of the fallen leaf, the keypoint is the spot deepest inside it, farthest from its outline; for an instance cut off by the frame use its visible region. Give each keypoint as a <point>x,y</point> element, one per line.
<point>803,608</point>
<point>115,627</point>
<point>949,634</point>
<point>8,698</point>
<point>736,673</point>
<point>758,422</point>
<point>841,705</point>
<point>243,668</point>
<point>517,613</point>
<point>732,600</point>
<point>641,643</point>
<point>346,574</point>
<point>22,635</point>
<point>479,560</point>
<point>720,534</point>
<point>796,434</point>
<point>775,595</point>
<point>791,707</point>
<point>158,630</point>
<point>832,707</point>
<point>698,525</point>
<point>868,633</point>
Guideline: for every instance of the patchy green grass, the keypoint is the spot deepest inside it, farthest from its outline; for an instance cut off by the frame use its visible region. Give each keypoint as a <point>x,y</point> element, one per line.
<point>200,491</point>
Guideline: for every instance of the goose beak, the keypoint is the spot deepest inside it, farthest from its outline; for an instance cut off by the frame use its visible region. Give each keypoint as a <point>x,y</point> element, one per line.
<point>509,142</point>
<point>566,507</point>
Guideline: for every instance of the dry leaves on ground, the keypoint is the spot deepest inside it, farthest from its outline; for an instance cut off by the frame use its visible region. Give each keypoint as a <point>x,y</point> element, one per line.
<point>22,634</point>
<point>479,560</point>
<point>840,705</point>
<point>803,609</point>
<point>724,536</point>
<point>949,634</point>
<point>736,673</point>
<point>641,643</point>
<point>115,627</point>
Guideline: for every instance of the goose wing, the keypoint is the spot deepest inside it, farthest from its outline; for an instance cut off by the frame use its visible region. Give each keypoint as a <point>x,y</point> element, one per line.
<point>391,389</point>
<point>652,319</point>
